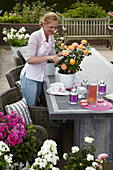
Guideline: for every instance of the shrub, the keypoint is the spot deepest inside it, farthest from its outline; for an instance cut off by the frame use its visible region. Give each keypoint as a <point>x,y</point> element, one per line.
<point>30,13</point>
<point>11,18</point>
<point>85,9</point>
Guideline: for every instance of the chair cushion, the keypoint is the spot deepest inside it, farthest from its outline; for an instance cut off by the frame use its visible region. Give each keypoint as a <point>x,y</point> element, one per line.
<point>21,108</point>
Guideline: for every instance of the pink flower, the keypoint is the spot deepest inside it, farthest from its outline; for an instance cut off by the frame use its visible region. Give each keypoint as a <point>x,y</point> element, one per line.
<point>102,156</point>
<point>65,53</point>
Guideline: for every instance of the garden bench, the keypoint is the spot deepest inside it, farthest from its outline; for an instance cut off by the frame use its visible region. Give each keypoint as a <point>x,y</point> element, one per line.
<point>87,28</point>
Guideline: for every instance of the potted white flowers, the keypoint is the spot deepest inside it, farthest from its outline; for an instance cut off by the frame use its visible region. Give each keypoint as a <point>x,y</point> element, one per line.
<point>18,40</point>
<point>84,158</point>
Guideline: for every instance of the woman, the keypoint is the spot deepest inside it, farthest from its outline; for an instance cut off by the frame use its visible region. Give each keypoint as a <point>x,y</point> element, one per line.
<point>40,50</point>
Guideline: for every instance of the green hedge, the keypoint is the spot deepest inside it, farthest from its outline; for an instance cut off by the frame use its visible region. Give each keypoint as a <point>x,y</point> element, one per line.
<point>61,5</point>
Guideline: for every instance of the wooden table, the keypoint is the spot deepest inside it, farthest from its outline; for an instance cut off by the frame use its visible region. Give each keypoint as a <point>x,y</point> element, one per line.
<point>96,124</point>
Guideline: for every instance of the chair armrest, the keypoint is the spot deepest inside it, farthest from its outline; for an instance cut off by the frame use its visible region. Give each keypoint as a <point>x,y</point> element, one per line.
<point>40,116</point>
<point>110,28</point>
<point>64,30</point>
<point>41,134</point>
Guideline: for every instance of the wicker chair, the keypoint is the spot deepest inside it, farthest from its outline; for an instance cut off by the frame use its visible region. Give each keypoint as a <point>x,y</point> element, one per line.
<point>13,76</point>
<point>19,59</point>
<point>13,95</point>
<point>39,115</point>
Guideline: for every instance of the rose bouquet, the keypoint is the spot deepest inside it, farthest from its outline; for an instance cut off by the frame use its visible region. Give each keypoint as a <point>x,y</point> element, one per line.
<point>17,135</point>
<point>72,54</point>
<point>72,57</point>
<point>16,38</point>
<point>84,159</point>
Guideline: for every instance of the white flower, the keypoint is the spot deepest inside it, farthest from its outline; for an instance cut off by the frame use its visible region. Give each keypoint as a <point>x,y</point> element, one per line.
<point>54,168</point>
<point>5,39</point>
<point>4,147</point>
<point>22,30</point>
<point>95,164</point>
<point>75,149</point>
<point>90,168</point>
<point>65,155</point>
<point>89,139</point>
<point>27,36</point>
<point>4,32</point>
<point>8,159</point>
<point>13,30</point>
<point>90,157</point>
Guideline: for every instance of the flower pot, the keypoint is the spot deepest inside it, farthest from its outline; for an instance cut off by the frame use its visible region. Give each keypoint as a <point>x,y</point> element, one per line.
<point>50,69</point>
<point>23,50</point>
<point>67,79</point>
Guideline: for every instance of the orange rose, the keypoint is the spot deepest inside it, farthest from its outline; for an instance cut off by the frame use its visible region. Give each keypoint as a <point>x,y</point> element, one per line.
<point>63,67</point>
<point>84,41</point>
<point>72,61</point>
<point>59,42</point>
<point>65,52</point>
<point>62,44</point>
<point>75,44</point>
<point>64,47</point>
<point>80,47</point>
<point>71,47</point>
<point>86,52</point>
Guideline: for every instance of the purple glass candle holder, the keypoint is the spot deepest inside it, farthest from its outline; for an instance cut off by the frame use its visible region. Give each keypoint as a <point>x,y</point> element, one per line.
<point>102,87</point>
<point>73,97</point>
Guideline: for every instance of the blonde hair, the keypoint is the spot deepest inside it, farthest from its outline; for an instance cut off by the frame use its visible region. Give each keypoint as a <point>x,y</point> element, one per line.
<point>48,18</point>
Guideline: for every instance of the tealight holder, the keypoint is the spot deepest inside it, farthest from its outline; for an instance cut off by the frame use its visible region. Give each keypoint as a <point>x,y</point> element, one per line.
<point>73,96</point>
<point>85,83</point>
<point>102,87</point>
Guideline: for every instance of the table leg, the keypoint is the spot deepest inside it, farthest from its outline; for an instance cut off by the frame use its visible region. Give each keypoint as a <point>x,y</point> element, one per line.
<point>77,132</point>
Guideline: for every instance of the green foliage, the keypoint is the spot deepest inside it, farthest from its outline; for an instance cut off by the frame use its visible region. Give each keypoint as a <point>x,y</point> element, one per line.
<point>85,9</point>
<point>11,18</point>
<point>30,13</point>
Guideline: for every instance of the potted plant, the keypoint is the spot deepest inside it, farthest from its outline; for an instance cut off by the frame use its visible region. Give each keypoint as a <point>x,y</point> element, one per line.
<point>84,159</point>
<point>18,137</point>
<point>18,40</point>
<point>70,62</point>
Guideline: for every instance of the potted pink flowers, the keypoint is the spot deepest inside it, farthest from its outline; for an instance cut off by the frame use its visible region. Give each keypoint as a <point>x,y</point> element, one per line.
<point>17,135</point>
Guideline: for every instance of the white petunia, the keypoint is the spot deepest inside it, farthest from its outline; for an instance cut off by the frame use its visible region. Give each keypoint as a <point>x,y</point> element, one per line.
<point>90,168</point>
<point>75,149</point>
<point>22,30</point>
<point>90,157</point>
<point>4,32</point>
<point>13,30</point>
<point>89,139</point>
<point>5,39</point>
<point>8,159</point>
<point>65,156</point>
<point>4,147</point>
<point>27,36</point>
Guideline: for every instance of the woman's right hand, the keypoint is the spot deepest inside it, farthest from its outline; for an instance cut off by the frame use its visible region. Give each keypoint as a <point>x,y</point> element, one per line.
<point>55,59</point>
